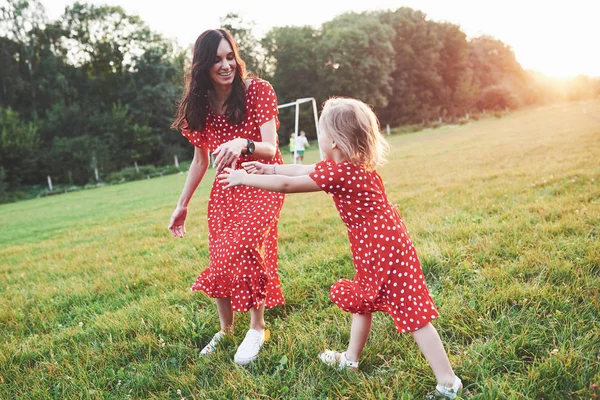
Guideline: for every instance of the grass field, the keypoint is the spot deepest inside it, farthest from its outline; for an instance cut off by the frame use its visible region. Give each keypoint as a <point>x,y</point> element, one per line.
<point>505,215</point>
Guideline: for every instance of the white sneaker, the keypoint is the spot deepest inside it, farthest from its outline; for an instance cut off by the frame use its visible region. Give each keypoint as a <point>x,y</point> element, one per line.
<point>212,345</point>
<point>337,360</point>
<point>450,392</point>
<point>249,348</point>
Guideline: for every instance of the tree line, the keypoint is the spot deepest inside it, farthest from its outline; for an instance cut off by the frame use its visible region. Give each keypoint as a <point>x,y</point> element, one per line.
<point>95,91</point>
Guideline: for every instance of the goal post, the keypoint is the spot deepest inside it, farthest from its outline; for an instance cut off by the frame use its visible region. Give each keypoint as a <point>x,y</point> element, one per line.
<point>296,104</point>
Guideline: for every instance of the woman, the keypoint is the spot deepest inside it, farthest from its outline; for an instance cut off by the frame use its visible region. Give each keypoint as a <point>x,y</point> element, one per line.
<point>235,118</point>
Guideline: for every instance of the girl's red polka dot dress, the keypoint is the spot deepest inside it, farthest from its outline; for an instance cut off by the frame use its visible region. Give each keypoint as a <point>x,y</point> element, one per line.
<point>388,272</point>
<point>242,221</point>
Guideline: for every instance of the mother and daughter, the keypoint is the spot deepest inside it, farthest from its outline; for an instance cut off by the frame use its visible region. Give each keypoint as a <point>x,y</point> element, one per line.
<point>235,117</point>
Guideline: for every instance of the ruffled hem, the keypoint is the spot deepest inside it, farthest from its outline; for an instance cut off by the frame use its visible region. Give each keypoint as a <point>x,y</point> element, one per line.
<point>245,293</point>
<point>416,312</point>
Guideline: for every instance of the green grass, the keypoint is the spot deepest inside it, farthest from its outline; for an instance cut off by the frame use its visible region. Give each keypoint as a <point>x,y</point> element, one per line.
<point>505,215</point>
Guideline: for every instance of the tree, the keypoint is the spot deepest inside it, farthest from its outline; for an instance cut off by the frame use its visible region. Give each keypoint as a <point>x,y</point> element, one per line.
<point>292,53</point>
<point>151,91</point>
<point>497,73</point>
<point>19,146</point>
<point>581,87</point>
<point>74,154</point>
<point>19,19</point>
<point>127,141</point>
<point>458,93</point>
<point>103,42</point>
<point>497,97</point>
<point>13,86</point>
<point>417,83</point>
<point>355,58</point>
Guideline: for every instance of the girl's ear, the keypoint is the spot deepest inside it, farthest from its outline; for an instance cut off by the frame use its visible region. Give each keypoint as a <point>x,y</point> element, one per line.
<point>333,144</point>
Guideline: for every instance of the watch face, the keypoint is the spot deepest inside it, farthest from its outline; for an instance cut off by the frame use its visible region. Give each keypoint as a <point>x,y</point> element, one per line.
<point>250,147</point>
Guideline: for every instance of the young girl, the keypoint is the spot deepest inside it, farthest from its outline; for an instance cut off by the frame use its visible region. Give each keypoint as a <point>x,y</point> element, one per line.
<point>388,272</point>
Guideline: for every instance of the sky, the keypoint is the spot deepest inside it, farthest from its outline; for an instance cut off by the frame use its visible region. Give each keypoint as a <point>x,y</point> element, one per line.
<point>555,37</point>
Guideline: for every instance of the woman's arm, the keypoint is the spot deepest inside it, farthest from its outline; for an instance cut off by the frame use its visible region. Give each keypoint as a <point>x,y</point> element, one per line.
<point>196,172</point>
<point>273,183</point>
<point>266,149</point>
<point>228,153</point>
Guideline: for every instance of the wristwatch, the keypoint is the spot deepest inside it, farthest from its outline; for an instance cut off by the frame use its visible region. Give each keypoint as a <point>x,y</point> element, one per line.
<point>250,147</point>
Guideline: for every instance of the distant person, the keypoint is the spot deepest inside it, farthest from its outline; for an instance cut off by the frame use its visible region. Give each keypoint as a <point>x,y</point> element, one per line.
<point>388,274</point>
<point>292,148</point>
<point>300,145</point>
<point>234,117</point>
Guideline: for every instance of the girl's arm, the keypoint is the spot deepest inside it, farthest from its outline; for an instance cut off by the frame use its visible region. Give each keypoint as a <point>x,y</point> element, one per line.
<point>255,167</point>
<point>273,183</point>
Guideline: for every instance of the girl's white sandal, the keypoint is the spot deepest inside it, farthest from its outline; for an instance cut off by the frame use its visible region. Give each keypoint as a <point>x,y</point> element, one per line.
<point>450,392</point>
<point>211,347</point>
<point>337,360</point>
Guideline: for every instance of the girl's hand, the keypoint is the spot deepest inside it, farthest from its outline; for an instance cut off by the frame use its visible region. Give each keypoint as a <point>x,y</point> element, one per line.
<point>177,223</point>
<point>232,177</point>
<point>255,167</point>
<point>228,153</point>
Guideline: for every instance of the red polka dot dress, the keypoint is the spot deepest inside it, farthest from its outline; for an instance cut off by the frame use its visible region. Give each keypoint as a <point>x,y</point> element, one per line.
<point>242,221</point>
<point>388,272</point>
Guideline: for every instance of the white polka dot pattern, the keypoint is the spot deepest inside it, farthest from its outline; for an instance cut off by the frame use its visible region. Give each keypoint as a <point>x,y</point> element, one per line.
<point>388,272</point>
<point>242,221</point>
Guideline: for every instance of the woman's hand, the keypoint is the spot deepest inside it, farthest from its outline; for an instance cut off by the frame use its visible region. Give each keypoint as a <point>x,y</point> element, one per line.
<point>228,153</point>
<point>232,177</point>
<point>255,167</point>
<point>177,223</point>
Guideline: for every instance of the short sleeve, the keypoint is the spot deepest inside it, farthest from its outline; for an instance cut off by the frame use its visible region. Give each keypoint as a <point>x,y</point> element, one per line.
<point>264,103</point>
<point>197,138</point>
<point>329,176</point>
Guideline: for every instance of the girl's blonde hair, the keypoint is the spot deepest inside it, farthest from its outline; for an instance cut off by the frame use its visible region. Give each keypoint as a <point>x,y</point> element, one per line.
<point>354,128</point>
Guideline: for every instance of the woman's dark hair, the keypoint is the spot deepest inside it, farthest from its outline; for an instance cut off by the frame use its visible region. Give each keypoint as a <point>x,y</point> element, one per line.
<point>193,107</point>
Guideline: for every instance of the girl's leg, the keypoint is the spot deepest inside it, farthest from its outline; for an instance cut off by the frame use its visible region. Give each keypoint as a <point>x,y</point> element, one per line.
<point>257,318</point>
<point>359,333</point>
<point>431,346</point>
<point>225,314</point>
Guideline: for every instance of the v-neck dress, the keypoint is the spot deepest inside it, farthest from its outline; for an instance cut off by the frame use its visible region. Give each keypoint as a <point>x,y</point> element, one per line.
<point>388,274</point>
<point>242,221</point>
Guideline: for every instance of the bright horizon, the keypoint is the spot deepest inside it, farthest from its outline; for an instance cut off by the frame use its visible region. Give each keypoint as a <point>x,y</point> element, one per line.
<point>558,39</point>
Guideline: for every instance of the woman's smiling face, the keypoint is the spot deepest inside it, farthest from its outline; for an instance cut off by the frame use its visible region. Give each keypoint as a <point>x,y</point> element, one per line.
<point>223,70</point>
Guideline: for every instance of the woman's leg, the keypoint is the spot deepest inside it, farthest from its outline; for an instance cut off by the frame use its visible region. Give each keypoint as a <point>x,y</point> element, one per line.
<point>432,348</point>
<point>226,319</point>
<point>255,337</point>
<point>257,318</point>
<point>359,333</point>
<point>225,314</point>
